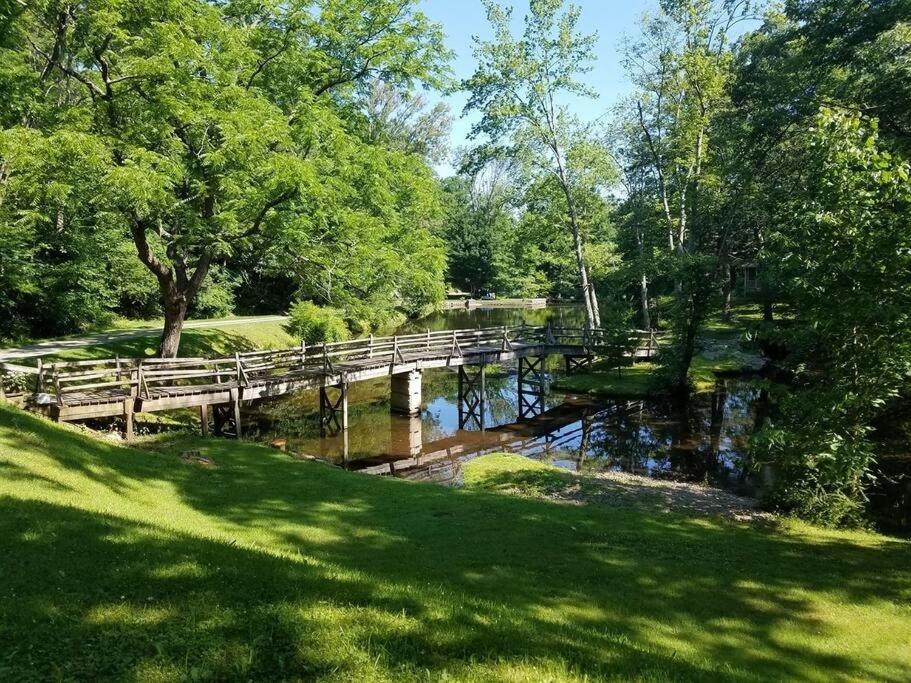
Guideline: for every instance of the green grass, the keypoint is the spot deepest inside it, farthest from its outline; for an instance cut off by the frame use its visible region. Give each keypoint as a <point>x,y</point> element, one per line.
<point>225,339</point>
<point>635,381</point>
<point>704,371</point>
<point>641,380</point>
<point>134,564</point>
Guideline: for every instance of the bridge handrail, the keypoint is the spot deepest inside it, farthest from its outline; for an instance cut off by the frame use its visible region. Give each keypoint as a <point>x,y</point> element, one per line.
<point>138,377</point>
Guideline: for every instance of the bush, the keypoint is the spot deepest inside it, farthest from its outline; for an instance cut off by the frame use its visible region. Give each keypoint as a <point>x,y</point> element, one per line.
<point>819,459</point>
<point>314,324</point>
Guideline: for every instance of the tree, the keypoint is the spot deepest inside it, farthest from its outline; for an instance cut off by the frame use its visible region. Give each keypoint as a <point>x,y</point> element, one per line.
<point>403,121</point>
<point>844,242</point>
<point>516,87</point>
<point>214,121</point>
<point>682,68</point>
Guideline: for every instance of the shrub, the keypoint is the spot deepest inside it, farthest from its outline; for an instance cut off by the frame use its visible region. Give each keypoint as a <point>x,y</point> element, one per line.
<point>316,324</point>
<point>820,460</point>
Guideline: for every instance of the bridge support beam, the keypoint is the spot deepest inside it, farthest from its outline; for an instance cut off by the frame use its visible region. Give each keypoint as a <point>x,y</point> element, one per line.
<point>128,404</point>
<point>531,387</point>
<point>406,393</point>
<point>227,415</point>
<point>333,409</point>
<point>577,363</point>
<point>204,419</point>
<point>472,397</point>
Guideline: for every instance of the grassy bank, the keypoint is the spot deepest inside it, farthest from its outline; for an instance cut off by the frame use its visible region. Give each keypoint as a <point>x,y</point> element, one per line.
<point>635,381</point>
<point>243,563</point>
<point>719,352</point>
<point>225,339</point>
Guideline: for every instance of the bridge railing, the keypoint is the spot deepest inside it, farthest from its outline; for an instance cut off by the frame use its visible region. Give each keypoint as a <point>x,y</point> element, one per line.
<point>308,359</point>
<point>599,340</point>
<point>144,378</point>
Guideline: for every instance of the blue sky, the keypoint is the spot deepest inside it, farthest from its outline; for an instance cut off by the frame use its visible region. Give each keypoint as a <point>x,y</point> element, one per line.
<point>611,19</point>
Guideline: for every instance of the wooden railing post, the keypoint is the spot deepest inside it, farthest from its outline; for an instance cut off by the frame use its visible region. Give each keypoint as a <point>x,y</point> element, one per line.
<point>39,381</point>
<point>2,381</point>
<point>456,347</point>
<point>370,347</point>
<point>240,369</point>
<point>303,353</point>
<point>325,358</point>
<point>428,339</point>
<point>57,387</point>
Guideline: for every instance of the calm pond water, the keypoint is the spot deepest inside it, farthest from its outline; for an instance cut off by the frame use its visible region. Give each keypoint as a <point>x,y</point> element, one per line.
<point>703,439</point>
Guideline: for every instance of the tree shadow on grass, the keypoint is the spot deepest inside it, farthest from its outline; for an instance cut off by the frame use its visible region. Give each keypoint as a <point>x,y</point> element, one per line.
<point>286,569</point>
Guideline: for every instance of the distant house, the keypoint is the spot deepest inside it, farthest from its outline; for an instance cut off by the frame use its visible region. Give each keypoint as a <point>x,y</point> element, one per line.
<point>749,278</point>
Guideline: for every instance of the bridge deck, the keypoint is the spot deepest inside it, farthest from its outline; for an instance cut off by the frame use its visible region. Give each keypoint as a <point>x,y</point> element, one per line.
<point>103,388</point>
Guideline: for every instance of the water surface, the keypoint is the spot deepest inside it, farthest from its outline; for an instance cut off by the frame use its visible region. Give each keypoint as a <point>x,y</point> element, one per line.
<point>703,439</point>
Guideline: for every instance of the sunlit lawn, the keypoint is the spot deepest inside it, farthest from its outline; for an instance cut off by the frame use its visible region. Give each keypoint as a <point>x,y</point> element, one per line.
<point>226,339</point>
<point>124,563</point>
<point>634,381</point>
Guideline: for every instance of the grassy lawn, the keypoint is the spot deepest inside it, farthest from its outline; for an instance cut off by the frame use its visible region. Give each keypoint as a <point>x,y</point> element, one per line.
<point>225,339</point>
<point>635,381</point>
<point>247,564</point>
<point>720,354</point>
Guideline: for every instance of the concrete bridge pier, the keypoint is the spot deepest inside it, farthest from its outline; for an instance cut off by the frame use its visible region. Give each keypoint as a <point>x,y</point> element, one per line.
<point>406,393</point>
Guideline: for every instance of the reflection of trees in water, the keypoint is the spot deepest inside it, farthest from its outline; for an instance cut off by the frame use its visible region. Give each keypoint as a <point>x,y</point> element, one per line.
<point>698,439</point>
<point>619,441</point>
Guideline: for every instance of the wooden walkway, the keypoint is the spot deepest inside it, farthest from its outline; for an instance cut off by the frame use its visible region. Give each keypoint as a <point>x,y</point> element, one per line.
<point>88,389</point>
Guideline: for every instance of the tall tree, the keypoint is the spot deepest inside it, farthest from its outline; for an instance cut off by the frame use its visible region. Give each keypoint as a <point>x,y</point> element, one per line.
<point>681,66</point>
<point>517,87</point>
<point>214,120</point>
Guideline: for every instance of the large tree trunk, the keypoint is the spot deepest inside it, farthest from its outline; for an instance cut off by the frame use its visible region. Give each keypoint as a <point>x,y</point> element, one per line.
<point>583,276</point>
<point>175,312</point>
<point>593,295</point>
<point>178,287</point>
<point>688,348</point>
<point>592,318</point>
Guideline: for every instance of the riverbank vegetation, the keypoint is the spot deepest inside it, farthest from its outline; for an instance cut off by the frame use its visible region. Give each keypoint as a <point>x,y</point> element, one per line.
<point>770,163</point>
<point>218,559</point>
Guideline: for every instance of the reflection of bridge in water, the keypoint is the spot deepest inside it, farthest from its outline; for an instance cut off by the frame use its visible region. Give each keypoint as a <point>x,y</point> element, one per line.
<point>567,424</point>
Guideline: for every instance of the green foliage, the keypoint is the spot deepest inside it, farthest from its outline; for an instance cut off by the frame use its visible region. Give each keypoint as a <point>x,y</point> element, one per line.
<point>216,296</point>
<point>516,87</point>
<point>474,231</point>
<point>201,132</point>
<point>314,324</point>
<point>848,241</point>
<point>819,459</point>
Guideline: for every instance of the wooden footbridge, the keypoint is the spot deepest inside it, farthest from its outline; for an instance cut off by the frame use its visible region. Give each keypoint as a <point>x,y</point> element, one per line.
<point>81,390</point>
